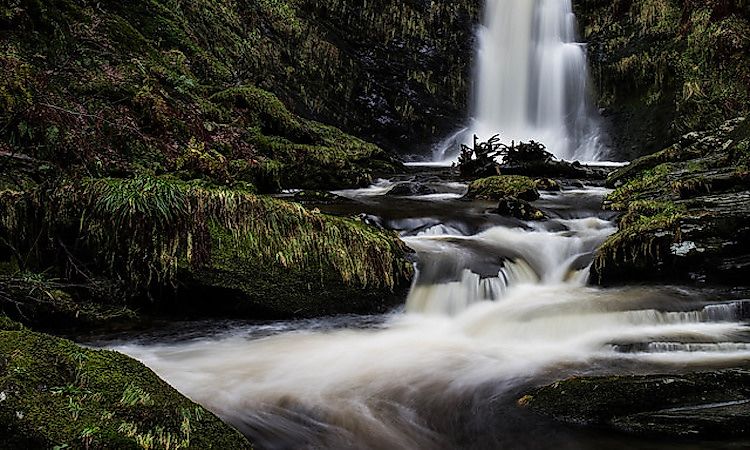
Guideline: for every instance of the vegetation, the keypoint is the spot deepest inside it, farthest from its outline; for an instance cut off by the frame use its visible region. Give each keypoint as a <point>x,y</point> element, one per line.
<point>664,68</point>
<point>486,158</point>
<point>497,187</point>
<point>54,393</point>
<point>683,210</point>
<point>140,233</point>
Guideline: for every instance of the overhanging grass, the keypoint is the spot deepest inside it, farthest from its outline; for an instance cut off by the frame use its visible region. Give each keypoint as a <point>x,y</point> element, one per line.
<point>143,229</point>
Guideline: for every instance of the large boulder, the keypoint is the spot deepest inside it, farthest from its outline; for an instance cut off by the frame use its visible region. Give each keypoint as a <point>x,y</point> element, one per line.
<point>709,405</point>
<point>54,393</point>
<point>191,248</point>
<point>686,212</point>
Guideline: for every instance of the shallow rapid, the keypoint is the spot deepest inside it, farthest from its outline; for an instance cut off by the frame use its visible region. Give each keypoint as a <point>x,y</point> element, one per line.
<point>498,306</point>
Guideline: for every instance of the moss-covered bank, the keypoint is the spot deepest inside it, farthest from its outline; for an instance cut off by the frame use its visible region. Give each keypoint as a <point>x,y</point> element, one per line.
<point>159,241</point>
<point>686,212</point>
<point>663,68</point>
<point>54,393</point>
<point>118,87</point>
<point>108,88</point>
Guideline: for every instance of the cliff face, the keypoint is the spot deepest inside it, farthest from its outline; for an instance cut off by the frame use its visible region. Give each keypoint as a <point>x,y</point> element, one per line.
<point>663,68</point>
<point>395,72</point>
<point>113,85</point>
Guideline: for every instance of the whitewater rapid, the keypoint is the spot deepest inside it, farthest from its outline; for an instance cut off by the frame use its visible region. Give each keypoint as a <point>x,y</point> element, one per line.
<point>490,314</point>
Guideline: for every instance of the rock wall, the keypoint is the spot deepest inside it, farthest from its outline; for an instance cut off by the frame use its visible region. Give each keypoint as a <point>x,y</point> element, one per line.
<point>663,68</point>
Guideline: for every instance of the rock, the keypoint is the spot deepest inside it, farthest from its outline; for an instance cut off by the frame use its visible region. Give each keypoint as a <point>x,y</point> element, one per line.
<point>411,189</point>
<point>556,169</point>
<point>708,405</point>
<point>520,209</point>
<point>253,256</point>
<point>547,184</point>
<point>498,187</point>
<point>317,197</point>
<point>54,393</point>
<point>686,213</point>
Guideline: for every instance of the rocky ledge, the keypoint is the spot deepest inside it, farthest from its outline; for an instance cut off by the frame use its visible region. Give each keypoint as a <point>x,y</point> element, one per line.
<point>686,212</point>
<point>708,405</point>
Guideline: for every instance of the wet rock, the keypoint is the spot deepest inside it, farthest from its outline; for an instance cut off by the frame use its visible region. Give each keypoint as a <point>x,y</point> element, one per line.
<point>556,169</point>
<point>317,197</point>
<point>710,404</point>
<point>411,189</point>
<point>520,209</point>
<point>686,212</point>
<point>547,184</point>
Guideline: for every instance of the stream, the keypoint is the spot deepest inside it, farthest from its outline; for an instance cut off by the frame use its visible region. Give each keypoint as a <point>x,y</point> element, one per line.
<point>498,307</point>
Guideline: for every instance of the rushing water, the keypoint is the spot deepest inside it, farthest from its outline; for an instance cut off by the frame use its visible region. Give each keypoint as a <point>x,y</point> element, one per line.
<point>498,306</point>
<point>532,81</point>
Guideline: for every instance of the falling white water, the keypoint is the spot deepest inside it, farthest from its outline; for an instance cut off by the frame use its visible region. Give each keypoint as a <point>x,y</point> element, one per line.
<point>532,81</point>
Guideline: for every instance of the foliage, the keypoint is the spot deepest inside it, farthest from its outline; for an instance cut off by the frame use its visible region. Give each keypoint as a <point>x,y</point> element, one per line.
<point>482,158</point>
<point>667,67</point>
<point>143,229</point>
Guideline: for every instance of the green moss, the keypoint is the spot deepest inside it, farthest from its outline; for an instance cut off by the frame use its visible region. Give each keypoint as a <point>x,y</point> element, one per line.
<point>495,188</point>
<point>649,183</point>
<point>142,229</point>
<point>6,324</point>
<point>57,393</point>
<point>666,67</point>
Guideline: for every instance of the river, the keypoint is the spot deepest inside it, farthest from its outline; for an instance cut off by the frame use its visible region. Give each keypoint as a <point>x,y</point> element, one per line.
<point>498,306</point>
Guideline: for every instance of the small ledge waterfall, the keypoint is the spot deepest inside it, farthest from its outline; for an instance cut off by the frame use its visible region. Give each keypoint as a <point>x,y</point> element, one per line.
<point>532,81</point>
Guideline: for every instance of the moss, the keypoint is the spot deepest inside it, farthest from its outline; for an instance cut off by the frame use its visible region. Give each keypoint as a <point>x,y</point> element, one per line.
<point>649,183</point>
<point>645,234</point>
<point>43,302</point>
<point>138,232</point>
<point>664,200</point>
<point>495,188</point>
<point>6,324</point>
<point>57,393</point>
<point>666,67</point>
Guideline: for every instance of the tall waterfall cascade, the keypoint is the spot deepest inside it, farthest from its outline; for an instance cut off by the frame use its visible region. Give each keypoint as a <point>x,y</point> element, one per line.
<point>532,81</point>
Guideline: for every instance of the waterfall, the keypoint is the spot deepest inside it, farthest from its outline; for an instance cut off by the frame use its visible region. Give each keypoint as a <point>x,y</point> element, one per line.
<point>532,81</point>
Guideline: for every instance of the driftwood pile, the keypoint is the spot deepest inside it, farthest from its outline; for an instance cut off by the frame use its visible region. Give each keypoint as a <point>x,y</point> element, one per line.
<point>486,158</point>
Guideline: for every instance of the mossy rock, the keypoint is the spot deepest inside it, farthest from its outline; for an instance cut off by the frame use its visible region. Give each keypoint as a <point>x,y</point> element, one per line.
<point>56,393</point>
<point>498,187</point>
<point>547,184</point>
<point>685,212</point>
<point>520,209</point>
<point>148,236</point>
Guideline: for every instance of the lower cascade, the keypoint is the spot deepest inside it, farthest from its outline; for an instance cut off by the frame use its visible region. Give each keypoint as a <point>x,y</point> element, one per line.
<point>498,305</point>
